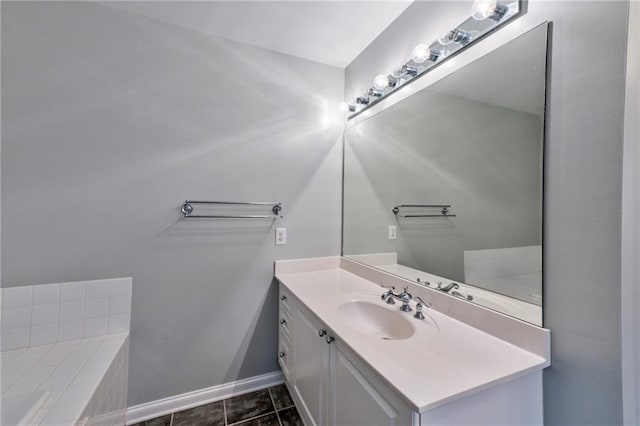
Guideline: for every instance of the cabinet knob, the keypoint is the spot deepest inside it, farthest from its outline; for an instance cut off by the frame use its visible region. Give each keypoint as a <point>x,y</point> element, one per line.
<point>329,339</point>
<point>322,332</point>
<point>283,321</point>
<point>282,354</point>
<point>283,298</point>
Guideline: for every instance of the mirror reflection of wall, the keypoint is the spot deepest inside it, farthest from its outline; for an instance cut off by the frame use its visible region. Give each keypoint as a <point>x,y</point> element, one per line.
<point>474,141</point>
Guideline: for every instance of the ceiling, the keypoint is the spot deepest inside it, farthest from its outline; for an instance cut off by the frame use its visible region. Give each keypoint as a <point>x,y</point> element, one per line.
<point>329,32</point>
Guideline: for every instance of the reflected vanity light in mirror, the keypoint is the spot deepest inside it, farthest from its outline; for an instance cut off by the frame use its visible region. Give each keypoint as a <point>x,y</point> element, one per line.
<point>486,16</point>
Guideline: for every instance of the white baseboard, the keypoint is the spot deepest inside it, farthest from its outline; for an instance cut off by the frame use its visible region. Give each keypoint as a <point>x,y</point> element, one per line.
<point>150,410</point>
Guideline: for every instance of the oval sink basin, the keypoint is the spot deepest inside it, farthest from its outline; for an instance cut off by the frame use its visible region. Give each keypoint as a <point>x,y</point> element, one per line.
<point>375,320</point>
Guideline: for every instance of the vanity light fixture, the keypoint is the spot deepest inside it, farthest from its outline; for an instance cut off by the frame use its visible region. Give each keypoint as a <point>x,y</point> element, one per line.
<point>405,70</point>
<point>375,93</point>
<point>455,35</point>
<point>382,82</point>
<point>486,16</point>
<point>483,9</point>
<point>422,53</point>
<point>345,107</point>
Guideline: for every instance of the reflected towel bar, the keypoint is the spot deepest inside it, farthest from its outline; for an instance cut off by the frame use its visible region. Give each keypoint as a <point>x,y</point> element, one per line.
<point>444,212</point>
<point>187,209</point>
<point>426,215</point>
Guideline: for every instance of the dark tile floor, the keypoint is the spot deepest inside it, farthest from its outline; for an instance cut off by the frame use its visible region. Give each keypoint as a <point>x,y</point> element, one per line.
<point>266,407</point>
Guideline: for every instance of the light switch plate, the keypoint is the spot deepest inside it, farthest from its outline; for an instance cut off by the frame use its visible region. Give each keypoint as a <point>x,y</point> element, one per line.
<point>281,236</point>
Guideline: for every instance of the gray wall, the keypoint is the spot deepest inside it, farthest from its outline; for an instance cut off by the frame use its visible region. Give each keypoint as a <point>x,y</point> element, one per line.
<point>435,148</point>
<point>582,189</point>
<point>110,121</point>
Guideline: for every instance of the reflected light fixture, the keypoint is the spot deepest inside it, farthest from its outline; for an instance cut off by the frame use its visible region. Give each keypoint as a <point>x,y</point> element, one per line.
<point>483,9</point>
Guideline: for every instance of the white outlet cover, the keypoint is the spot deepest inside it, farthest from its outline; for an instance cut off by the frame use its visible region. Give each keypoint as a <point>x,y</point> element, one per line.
<point>392,232</point>
<point>281,236</point>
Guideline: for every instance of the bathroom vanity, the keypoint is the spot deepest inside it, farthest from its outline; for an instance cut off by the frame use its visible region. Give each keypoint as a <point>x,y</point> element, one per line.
<point>351,359</point>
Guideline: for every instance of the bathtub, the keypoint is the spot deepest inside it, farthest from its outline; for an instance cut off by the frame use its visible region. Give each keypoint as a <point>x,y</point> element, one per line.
<point>81,382</point>
<point>23,408</point>
<point>64,353</point>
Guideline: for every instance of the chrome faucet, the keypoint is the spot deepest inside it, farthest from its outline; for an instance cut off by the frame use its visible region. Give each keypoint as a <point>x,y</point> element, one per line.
<point>461,296</point>
<point>405,297</point>
<point>448,288</point>
<point>419,305</point>
<point>388,295</point>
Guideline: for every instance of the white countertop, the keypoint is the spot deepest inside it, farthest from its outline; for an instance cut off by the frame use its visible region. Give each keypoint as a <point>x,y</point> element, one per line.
<point>443,361</point>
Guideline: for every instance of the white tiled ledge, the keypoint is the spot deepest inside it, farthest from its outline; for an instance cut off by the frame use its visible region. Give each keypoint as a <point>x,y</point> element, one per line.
<point>50,313</point>
<point>81,380</point>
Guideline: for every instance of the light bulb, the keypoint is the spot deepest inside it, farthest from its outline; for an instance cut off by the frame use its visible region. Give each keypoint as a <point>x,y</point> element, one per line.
<point>421,53</point>
<point>381,82</point>
<point>483,9</point>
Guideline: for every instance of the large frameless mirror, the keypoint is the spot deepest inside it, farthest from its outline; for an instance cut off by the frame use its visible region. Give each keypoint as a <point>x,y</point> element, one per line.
<point>445,187</point>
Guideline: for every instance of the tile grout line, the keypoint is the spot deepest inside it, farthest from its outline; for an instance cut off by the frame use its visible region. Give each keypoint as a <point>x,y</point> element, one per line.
<point>224,411</point>
<point>286,408</point>
<point>273,402</point>
<point>171,420</point>
<point>251,418</point>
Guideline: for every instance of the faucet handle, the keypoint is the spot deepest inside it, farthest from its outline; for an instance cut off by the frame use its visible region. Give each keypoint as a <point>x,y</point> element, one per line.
<point>387,296</point>
<point>419,304</point>
<point>424,283</point>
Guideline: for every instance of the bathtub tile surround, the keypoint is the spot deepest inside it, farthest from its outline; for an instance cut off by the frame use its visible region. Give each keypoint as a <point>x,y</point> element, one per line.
<point>51,313</point>
<point>266,407</point>
<point>80,380</point>
<point>65,352</point>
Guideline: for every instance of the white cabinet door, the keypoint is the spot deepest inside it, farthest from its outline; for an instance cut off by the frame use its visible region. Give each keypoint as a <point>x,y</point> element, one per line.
<point>310,366</point>
<point>358,398</point>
